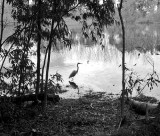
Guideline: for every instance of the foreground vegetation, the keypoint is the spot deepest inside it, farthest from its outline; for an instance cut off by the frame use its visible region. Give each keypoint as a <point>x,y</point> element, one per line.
<point>94,114</point>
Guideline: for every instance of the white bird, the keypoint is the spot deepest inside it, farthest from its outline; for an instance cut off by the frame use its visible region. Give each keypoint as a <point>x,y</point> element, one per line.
<point>74,72</point>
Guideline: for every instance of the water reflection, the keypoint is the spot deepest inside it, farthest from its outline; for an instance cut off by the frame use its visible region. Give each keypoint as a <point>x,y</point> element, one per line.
<point>100,70</point>
<point>74,85</point>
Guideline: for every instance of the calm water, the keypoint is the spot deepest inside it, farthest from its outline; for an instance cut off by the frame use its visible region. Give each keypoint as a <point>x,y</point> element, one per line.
<point>100,70</point>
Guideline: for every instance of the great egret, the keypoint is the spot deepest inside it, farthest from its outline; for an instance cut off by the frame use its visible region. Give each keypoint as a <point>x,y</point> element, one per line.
<point>74,72</point>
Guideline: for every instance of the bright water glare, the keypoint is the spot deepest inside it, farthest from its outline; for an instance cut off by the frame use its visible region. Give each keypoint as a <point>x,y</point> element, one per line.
<point>101,70</point>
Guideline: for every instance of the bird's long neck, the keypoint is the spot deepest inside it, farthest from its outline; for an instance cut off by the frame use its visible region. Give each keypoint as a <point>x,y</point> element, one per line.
<point>77,68</point>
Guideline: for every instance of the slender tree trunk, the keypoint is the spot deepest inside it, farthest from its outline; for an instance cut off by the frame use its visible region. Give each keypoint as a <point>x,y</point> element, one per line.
<point>43,69</point>
<point>38,47</point>
<point>48,62</point>
<point>1,36</point>
<point>47,71</point>
<point>21,79</point>
<point>123,59</point>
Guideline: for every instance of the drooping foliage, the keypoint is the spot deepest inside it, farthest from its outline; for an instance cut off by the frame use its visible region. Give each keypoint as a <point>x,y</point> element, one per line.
<point>94,17</point>
<point>48,23</point>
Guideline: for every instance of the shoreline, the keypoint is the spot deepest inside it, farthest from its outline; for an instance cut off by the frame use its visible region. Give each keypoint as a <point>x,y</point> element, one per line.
<point>94,114</point>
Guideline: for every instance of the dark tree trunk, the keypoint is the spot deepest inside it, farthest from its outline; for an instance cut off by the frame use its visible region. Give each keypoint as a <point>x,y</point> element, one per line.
<point>2,27</point>
<point>38,46</point>
<point>48,62</point>
<point>123,59</point>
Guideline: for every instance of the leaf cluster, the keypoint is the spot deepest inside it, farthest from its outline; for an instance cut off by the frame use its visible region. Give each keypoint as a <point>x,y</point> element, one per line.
<point>54,82</point>
<point>94,17</point>
<point>135,82</point>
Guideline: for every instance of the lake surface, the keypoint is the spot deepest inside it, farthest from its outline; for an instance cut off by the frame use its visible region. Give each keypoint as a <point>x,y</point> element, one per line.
<point>101,70</point>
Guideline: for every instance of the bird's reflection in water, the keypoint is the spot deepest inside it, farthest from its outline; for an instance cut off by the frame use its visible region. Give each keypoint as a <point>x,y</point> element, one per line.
<point>74,85</point>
